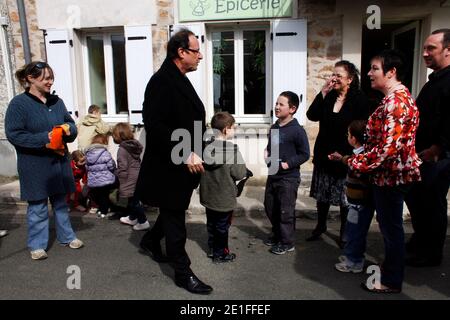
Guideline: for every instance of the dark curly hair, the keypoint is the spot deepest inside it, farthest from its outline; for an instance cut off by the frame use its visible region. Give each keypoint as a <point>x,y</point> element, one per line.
<point>352,71</point>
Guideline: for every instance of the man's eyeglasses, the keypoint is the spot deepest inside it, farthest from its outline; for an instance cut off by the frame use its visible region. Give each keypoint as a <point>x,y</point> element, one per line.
<point>196,51</point>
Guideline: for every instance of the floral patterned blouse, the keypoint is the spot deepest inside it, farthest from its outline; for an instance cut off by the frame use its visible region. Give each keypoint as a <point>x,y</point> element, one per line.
<point>390,155</point>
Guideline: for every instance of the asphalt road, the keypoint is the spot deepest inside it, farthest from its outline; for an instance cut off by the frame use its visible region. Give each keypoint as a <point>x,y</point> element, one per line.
<point>111,265</point>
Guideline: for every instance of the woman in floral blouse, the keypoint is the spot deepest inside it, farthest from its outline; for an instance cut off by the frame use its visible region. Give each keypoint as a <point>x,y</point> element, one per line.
<point>391,161</point>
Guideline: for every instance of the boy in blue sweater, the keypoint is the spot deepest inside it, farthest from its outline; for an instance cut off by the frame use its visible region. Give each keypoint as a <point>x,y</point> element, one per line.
<point>286,150</point>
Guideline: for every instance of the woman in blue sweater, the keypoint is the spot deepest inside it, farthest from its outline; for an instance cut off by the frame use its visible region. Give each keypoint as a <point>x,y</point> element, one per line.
<point>31,124</point>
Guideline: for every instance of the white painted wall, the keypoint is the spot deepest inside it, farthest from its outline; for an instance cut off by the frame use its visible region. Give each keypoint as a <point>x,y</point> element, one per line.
<point>94,13</point>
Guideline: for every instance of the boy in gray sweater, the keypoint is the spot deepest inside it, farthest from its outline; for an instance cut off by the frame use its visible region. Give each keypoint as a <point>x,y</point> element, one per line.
<point>224,166</point>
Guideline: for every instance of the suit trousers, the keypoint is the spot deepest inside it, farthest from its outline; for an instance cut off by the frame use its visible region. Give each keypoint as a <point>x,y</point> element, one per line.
<point>171,225</point>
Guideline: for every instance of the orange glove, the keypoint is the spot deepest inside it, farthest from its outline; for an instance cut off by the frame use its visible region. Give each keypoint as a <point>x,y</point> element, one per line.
<point>56,141</point>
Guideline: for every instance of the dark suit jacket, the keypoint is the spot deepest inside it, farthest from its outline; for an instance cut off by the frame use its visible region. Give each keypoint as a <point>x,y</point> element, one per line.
<point>170,103</point>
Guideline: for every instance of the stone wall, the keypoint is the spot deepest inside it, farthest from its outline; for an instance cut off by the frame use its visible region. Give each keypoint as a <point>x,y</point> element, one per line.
<point>164,18</point>
<point>7,57</point>
<point>36,36</point>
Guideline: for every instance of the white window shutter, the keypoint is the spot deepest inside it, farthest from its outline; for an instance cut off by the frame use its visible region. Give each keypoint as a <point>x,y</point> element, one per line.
<point>139,62</point>
<point>290,61</point>
<point>59,48</point>
<point>198,77</point>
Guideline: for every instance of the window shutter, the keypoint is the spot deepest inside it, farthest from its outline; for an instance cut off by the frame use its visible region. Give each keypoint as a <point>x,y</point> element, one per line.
<point>198,77</point>
<point>139,61</point>
<point>59,48</point>
<point>290,61</point>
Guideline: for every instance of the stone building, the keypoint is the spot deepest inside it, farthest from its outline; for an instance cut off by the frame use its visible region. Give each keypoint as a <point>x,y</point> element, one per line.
<point>105,52</point>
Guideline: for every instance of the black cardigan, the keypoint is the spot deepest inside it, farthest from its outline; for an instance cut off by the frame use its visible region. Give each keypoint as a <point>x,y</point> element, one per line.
<point>333,128</point>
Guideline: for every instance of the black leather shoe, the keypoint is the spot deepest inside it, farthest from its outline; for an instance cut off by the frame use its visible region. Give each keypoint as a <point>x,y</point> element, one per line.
<point>193,284</point>
<point>154,251</point>
<point>420,262</point>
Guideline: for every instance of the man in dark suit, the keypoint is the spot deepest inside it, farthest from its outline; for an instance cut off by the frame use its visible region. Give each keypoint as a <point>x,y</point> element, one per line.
<point>427,200</point>
<point>167,178</point>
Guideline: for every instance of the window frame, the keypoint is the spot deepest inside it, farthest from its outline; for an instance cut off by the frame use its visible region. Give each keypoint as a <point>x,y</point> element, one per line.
<point>111,115</point>
<point>239,30</point>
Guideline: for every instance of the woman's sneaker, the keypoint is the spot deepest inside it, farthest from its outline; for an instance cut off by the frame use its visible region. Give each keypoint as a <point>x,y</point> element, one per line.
<point>76,244</point>
<point>348,266</point>
<point>128,221</point>
<point>141,226</point>
<point>38,254</point>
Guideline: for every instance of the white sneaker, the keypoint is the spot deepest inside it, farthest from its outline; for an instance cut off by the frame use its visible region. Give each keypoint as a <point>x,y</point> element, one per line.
<point>127,220</point>
<point>39,254</point>
<point>80,208</point>
<point>3,233</point>
<point>141,226</point>
<point>76,244</point>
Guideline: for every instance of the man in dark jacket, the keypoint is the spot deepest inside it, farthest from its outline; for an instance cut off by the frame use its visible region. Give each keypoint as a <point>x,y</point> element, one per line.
<point>171,106</point>
<point>427,201</point>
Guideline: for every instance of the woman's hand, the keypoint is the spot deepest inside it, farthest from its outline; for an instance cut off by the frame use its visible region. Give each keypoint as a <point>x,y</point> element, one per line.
<point>328,86</point>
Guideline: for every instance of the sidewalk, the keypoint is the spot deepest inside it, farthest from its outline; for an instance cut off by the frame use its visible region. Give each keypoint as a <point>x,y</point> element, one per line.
<point>251,200</point>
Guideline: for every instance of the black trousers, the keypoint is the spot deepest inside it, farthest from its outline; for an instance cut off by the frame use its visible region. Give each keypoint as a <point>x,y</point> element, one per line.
<point>279,203</point>
<point>171,225</point>
<point>427,204</point>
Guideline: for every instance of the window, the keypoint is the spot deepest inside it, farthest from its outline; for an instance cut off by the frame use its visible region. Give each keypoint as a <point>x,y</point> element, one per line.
<point>105,74</point>
<point>241,72</point>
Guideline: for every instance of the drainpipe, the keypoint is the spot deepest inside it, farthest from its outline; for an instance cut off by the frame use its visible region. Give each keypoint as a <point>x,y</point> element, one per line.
<point>24,28</point>
<point>6,57</point>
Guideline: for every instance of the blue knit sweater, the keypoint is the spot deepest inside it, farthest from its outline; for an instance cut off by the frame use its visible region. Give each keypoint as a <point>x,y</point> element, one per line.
<point>42,172</point>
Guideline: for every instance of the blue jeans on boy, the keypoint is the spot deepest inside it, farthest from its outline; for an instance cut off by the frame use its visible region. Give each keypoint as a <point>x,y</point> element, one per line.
<point>358,224</point>
<point>38,222</point>
<point>218,225</point>
<point>389,207</point>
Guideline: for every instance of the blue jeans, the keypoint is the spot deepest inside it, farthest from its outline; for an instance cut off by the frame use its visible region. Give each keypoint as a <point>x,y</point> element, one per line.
<point>358,224</point>
<point>218,224</point>
<point>389,207</point>
<point>38,225</point>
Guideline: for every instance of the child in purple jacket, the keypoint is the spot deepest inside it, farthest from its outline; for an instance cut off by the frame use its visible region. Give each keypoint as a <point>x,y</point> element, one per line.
<point>101,172</point>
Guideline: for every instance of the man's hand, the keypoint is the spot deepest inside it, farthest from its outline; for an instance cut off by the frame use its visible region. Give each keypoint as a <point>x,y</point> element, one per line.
<point>335,156</point>
<point>195,164</point>
<point>284,165</point>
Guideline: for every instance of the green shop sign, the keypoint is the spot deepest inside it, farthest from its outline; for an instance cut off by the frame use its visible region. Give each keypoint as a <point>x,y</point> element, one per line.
<point>203,10</point>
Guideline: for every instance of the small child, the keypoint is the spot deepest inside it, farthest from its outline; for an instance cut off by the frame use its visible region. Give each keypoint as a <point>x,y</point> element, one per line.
<point>100,167</point>
<point>91,125</point>
<point>224,165</point>
<point>286,150</point>
<point>79,174</point>
<point>128,165</point>
<point>360,214</point>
